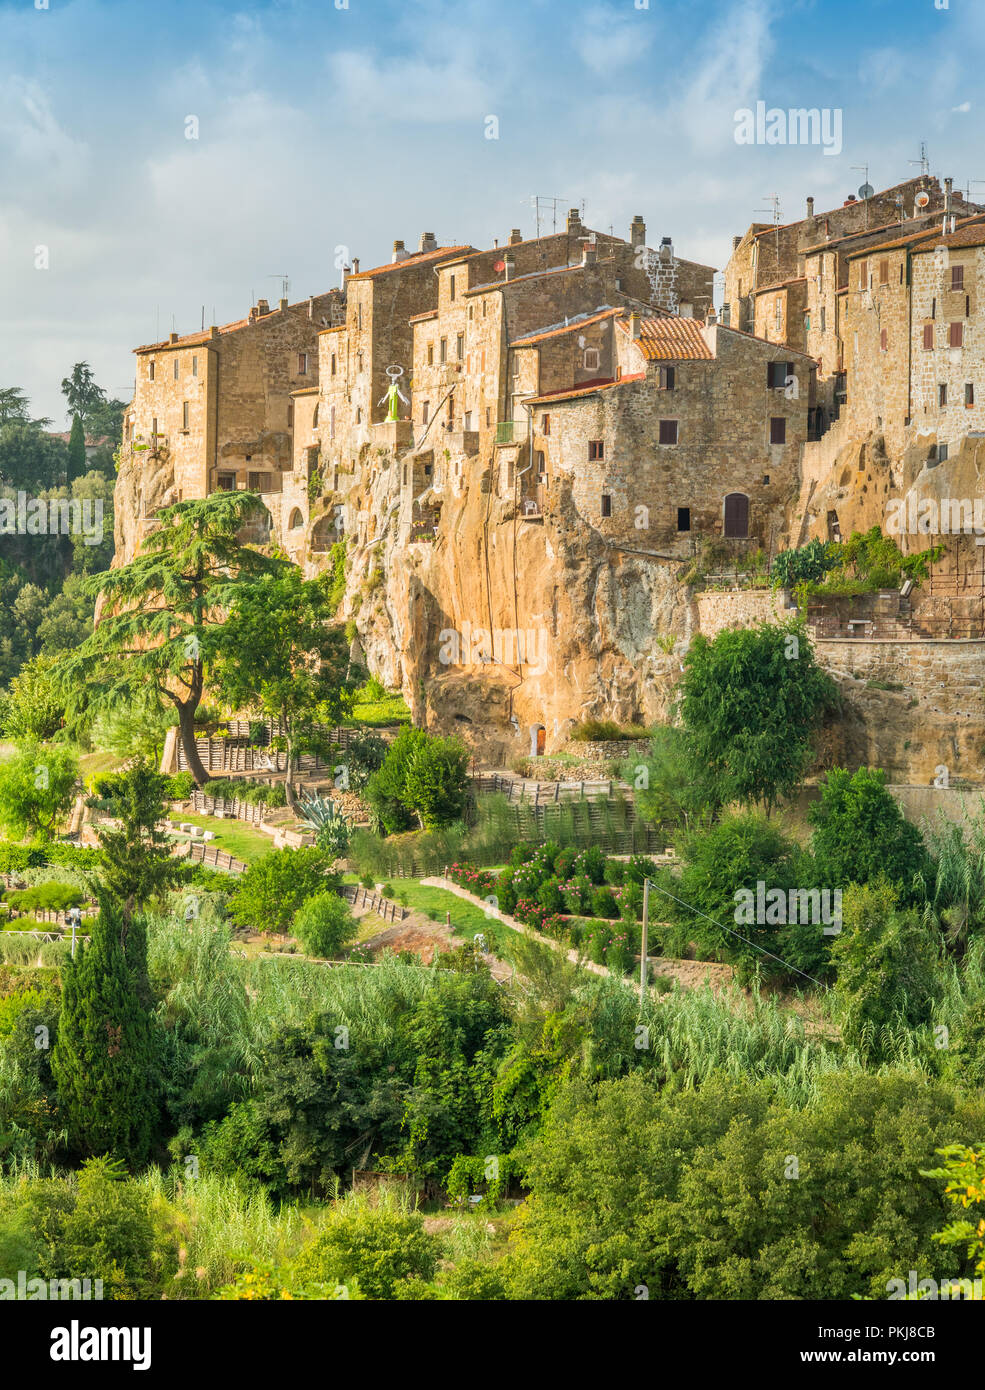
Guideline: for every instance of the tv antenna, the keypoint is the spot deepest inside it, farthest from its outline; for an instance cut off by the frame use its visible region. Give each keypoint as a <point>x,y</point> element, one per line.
<point>552,202</point>
<point>285,284</point>
<point>923,161</point>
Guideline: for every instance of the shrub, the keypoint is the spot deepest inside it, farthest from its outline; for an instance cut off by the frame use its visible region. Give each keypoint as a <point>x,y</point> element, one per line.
<point>549,896</point>
<point>860,833</point>
<point>325,924</point>
<point>375,1245</point>
<point>275,887</point>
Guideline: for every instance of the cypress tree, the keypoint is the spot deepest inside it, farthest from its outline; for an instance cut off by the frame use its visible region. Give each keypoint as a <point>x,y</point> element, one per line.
<point>105,1060</point>
<point>76,451</point>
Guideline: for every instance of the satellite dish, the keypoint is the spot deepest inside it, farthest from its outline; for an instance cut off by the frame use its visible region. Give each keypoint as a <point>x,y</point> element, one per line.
<point>922,200</point>
<point>866,191</point>
<point>499,267</point>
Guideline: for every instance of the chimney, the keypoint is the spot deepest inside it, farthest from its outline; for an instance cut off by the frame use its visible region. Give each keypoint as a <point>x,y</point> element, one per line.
<point>849,200</point>
<point>637,232</point>
<point>429,242</point>
<point>173,338</point>
<point>948,195</point>
<point>311,306</point>
<point>634,326</point>
<point>516,236</point>
<point>590,254</point>
<point>263,307</point>
<point>574,222</point>
<point>509,261</point>
<point>666,248</point>
<point>736,243</point>
<point>810,209</point>
<point>355,265</point>
<point>399,252</point>
<point>711,318</point>
<point>282,304</point>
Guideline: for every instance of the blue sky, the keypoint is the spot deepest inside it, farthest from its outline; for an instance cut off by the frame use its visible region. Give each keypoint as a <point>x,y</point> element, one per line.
<point>321,127</point>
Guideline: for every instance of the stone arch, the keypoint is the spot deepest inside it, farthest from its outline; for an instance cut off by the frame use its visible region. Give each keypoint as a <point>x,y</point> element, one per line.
<point>296,520</point>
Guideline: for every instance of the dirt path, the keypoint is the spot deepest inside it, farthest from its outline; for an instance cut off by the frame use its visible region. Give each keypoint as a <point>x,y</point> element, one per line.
<point>423,938</point>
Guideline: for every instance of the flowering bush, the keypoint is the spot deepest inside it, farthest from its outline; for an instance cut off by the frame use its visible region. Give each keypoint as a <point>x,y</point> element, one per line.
<point>577,894</point>
<point>549,895</point>
<point>477,881</point>
<point>604,903</point>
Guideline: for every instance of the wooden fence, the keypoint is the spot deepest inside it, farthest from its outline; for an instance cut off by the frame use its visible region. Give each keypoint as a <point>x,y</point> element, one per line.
<point>385,907</point>
<point>254,813</point>
<point>521,789</point>
<point>214,858</point>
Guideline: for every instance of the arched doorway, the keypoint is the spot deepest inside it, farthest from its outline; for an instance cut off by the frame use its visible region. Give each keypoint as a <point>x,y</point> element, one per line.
<point>736,516</point>
<point>538,740</point>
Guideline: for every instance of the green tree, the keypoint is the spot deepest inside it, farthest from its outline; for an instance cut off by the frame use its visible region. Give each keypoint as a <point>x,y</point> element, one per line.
<point>82,393</point>
<point>105,1062</point>
<point>31,460</point>
<point>276,886</point>
<point>751,701</point>
<point>888,970</point>
<point>34,707</point>
<point>137,861</point>
<point>37,786</point>
<point>377,1245</point>
<point>280,656</point>
<point>860,833</point>
<point>13,406</point>
<point>76,451</point>
<point>325,924</point>
<point>670,788</point>
<point>437,781</point>
<point>164,611</point>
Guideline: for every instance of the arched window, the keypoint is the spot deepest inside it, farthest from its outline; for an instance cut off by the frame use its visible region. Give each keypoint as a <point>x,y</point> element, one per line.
<point>736,515</point>
<point>296,521</point>
<point>314,418</point>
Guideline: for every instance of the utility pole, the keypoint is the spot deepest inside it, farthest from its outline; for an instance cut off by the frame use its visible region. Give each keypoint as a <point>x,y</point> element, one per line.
<point>923,161</point>
<point>644,943</point>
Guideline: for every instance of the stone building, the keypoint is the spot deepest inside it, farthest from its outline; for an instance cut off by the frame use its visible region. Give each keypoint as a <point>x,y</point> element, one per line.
<point>213,410</point>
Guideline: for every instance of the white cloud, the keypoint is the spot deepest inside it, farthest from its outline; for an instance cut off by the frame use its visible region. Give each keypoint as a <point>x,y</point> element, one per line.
<point>608,41</point>
<point>369,89</point>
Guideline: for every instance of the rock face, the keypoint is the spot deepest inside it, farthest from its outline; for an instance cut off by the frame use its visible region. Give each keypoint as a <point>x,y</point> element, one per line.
<point>500,625</point>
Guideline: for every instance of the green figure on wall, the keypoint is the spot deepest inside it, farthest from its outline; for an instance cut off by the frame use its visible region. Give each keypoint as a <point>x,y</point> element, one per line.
<point>393,394</point>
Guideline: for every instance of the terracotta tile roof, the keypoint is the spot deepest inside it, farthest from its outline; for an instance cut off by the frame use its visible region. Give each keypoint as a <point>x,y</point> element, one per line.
<point>670,339</point>
<point>90,443</point>
<point>419,258</point>
<point>518,279</point>
<point>589,388</point>
<point>572,326</point>
<point>335,328</point>
<point>422,318</point>
<point>191,339</point>
<point>306,391</point>
<point>933,237</point>
<point>782,285</point>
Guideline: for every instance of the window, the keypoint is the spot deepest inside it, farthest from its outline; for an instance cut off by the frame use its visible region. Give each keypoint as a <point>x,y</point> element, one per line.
<point>485,306</point>
<point>736,515</point>
<point>596,449</point>
<point>824,319</point>
<point>928,335</point>
<point>933,308</point>
<point>226,482</point>
<point>884,272</point>
<point>331,423</point>
<point>956,335</point>
<point>359,414</point>
<point>777,374</point>
<point>359,361</point>
<point>667,378</point>
<point>150,371</point>
<point>184,415</point>
<point>460,349</point>
<point>957,277</point>
<point>941,453</point>
<point>778,429</point>
<point>153,430</point>
<point>471,310</point>
<point>359,316</point>
<point>766,480</point>
<point>683,518</point>
<point>969,393</point>
<point>430,354</point>
<point>332,368</point>
<point>443,350</point>
<point>942,394</point>
<point>194,366</point>
<point>883,339</point>
<point>482,363</point>
<point>606,504</point>
<point>425,412</point>
<point>488,417</point>
<point>545,424</point>
<point>778,314</point>
<point>467,421</point>
<point>302,364</point>
<point>259,482</point>
<point>668,431</point>
<point>176,369</point>
<point>863,275</point>
<point>591,359</point>
<point>451,287</point>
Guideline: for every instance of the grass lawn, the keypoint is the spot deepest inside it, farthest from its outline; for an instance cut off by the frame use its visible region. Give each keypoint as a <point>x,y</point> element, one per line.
<point>96,764</point>
<point>379,713</point>
<point>466,918</point>
<point>233,837</point>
